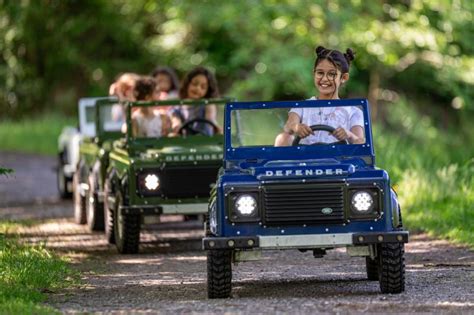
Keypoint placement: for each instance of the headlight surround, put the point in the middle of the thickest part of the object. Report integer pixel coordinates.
(365, 202)
(243, 205)
(148, 183)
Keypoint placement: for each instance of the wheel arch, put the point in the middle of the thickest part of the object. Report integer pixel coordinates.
(395, 207)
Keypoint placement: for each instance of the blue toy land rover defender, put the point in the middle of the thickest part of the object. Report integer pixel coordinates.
(307, 196)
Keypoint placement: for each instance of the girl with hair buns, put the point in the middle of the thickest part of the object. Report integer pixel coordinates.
(330, 72)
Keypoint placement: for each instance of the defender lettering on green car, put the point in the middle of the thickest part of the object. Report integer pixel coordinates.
(171, 174)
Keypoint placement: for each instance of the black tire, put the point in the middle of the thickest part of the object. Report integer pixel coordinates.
(108, 214)
(126, 229)
(219, 274)
(62, 181)
(94, 208)
(391, 267)
(79, 201)
(372, 269)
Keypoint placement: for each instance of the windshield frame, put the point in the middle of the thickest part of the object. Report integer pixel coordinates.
(270, 152)
(128, 108)
(100, 131)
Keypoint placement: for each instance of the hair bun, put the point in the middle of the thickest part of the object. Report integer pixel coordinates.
(320, 50)
(350, 55)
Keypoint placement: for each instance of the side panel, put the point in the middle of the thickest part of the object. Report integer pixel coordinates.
(89, 152)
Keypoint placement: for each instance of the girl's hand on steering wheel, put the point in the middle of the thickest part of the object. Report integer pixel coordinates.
(302, 130)
(340, 134)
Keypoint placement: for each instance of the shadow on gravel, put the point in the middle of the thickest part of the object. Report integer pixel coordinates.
(41, 210)
(304, 288)
(171, 246)
(95, 244)
(172, 287)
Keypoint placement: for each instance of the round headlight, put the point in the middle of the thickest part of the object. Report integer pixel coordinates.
(362, 201)
(152, 182)
(246, 205)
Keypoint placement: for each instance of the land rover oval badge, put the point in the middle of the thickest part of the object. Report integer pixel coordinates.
(326, 210)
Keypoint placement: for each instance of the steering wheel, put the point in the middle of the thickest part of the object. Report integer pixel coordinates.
(327, 128)
(189, 129)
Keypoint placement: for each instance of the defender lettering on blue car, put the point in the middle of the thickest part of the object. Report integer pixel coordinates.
(308, 196)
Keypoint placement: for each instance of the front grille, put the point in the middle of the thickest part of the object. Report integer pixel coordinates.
(298, 204)
(188, 182)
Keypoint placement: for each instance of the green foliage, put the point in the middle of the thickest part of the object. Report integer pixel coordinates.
(432, 170)
(54, 52)
(441, 201)
(34, 135)
(20, 306)
(57, 51)
(11, 227)
(5, 171)
(26, 272)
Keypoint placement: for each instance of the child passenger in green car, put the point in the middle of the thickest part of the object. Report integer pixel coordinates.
(145, 122)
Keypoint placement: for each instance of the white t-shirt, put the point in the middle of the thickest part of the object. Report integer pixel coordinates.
(345, 117)
(147, 126)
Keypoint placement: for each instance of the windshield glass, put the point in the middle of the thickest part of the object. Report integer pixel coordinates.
(112, 117)
(280, 126)
(90, 114)
(176, 121)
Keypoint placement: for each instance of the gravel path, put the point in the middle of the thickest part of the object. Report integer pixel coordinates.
(33, 182)
(169, 276)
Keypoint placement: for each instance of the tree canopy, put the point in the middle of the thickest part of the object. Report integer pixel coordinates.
(54, 52)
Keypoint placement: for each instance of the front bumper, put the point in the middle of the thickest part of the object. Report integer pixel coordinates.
(188, 208)
(304, 241)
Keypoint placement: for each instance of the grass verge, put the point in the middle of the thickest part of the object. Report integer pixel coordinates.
(441, 202)
(432, 171)
(33, 135)
(27, 272)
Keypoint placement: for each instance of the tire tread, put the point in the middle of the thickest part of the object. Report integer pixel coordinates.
(392, 267)
(219, 273)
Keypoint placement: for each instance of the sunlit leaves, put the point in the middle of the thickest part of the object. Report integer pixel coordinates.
(53, 46)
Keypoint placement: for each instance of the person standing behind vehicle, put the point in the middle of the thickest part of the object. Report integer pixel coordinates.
(145, 123)
(167, 83)
(197, 84)
(123, 88)
(331, 70)
(167, 86)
